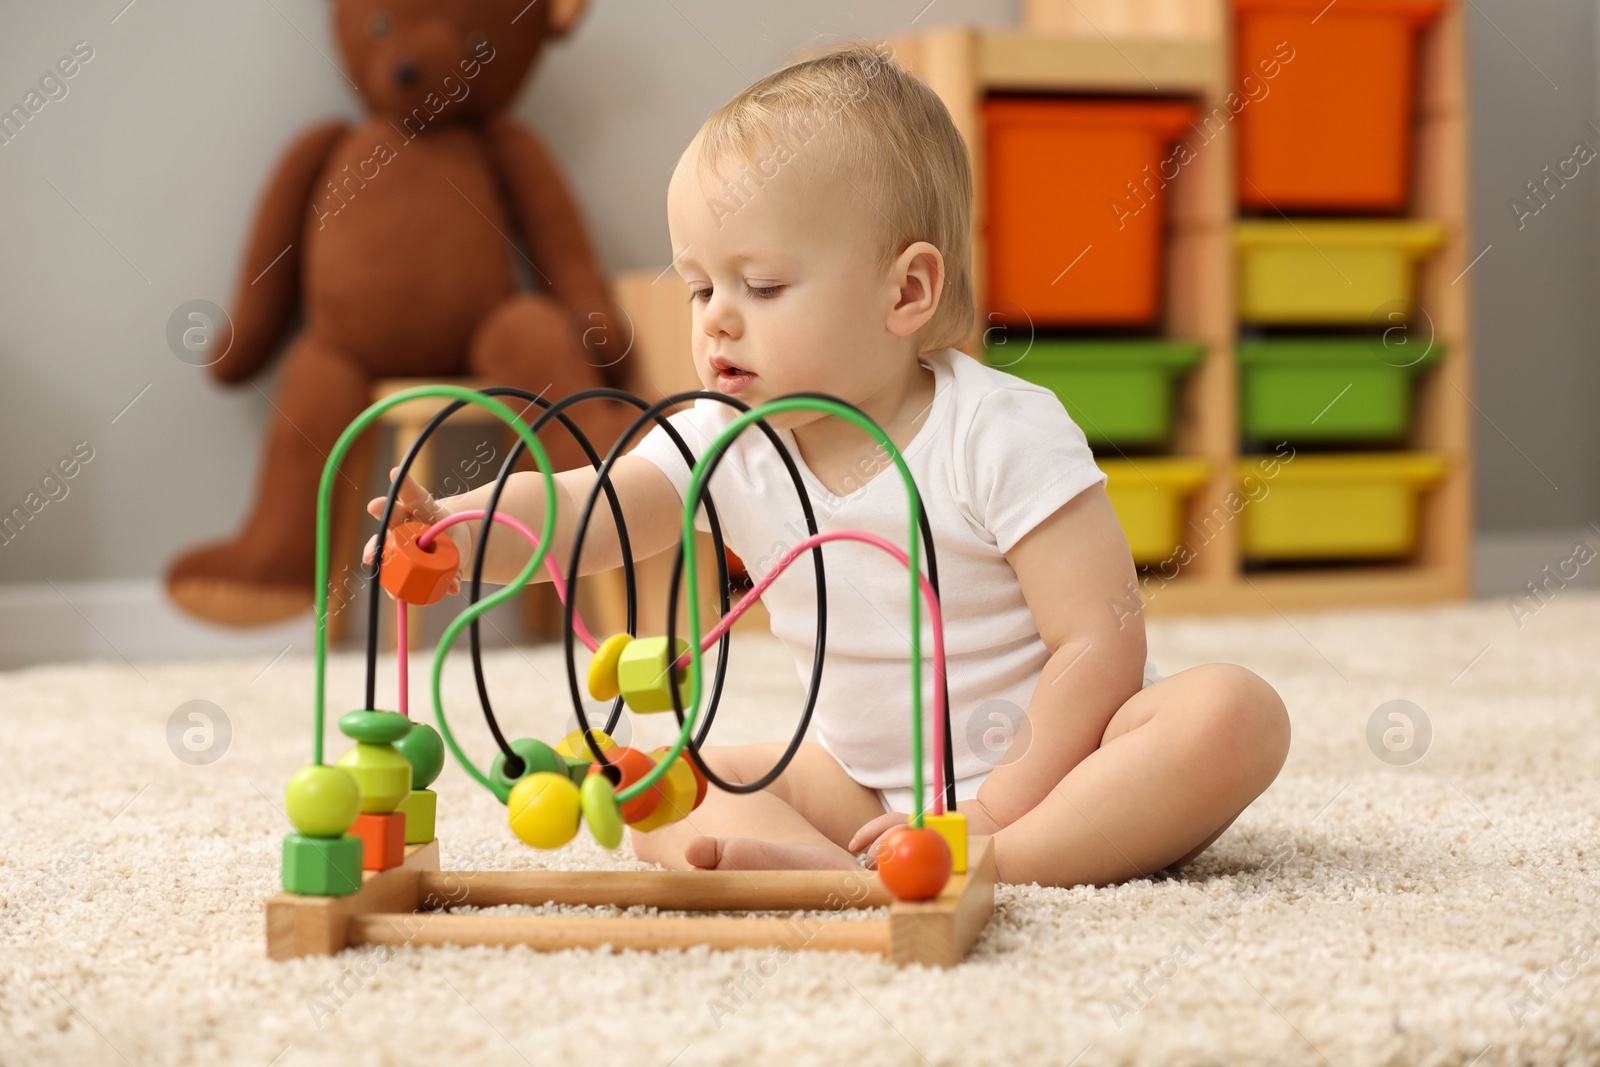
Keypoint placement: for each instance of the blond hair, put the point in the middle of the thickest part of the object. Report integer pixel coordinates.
(887, 129)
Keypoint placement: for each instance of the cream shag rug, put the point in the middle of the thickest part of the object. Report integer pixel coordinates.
(1443, 912)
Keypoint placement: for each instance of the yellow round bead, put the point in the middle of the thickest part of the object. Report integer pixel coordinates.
(678, 788)
(574, 747)
(603, 668)
(543, 809)
(601, 811)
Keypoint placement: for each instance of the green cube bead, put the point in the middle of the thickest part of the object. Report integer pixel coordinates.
(642, 674)
(419, 808)
(382, 775)
(577, 769)
(322, 866)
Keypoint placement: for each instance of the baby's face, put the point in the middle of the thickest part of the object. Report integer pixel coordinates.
(786, 284)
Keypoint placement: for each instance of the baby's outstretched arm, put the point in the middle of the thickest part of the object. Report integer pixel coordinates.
(650, 506)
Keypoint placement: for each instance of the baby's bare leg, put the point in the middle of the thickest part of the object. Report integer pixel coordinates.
(1176, 765)
(803, 820)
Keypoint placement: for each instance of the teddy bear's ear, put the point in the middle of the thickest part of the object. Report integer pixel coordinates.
(564, 15)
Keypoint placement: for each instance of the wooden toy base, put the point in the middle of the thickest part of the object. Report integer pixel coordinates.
(409, 905)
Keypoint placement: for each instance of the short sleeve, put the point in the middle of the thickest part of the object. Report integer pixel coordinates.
(1026, 458)
(698, 425)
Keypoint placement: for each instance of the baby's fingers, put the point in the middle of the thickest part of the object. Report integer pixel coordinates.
(873, 831)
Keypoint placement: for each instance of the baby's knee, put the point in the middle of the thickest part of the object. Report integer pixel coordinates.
(1244, 717)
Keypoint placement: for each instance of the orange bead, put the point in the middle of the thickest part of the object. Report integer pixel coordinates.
(383, 839)
(634, 765)
(415, 574)
(913, 864)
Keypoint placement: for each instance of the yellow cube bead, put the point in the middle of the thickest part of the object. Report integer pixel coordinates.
(419, 807)
(952, 826)
(678, 788)
(642, 674)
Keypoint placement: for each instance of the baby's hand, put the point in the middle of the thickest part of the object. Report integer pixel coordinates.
(873, 833)
(416, 504)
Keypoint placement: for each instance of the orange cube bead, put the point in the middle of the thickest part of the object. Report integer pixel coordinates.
(383, 839)
(415, 574)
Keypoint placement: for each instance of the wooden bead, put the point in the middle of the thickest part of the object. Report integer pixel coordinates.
(423, 748)
(578, 770)
(322, 801)
(420, 807)
(603, 668)
(634, 765)
(322, 866)
(952, 826)
(913, 864)
(642, 674)
(415, 574)
(573, 746)
(374, 727)
(382, 775)
(537, 757)
(678, 796)
(600, 810)
(544, 809)
(383, 840)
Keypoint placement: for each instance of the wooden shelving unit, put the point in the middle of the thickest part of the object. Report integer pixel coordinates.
(1181, 48)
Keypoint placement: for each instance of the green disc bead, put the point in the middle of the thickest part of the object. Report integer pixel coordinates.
(536, 757)
(374, 727)
(424, 748)
(600, 810)
(382, 774)
(322, 801)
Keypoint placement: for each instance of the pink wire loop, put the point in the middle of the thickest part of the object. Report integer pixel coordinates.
(934, 617)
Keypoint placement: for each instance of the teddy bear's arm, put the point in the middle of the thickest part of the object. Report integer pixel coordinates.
(549, 219)
(269, 283)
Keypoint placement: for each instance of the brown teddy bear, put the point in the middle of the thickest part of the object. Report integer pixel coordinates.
(396, 240)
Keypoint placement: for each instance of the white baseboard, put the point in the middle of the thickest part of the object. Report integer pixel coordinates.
(132, 619)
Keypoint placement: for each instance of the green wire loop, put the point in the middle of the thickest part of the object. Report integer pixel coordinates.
(690, 500)
(330, 471)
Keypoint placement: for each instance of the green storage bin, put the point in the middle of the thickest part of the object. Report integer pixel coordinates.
(1120, 392)
(1327, 388)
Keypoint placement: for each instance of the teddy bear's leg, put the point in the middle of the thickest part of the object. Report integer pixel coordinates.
(530, 342)
(266, 572)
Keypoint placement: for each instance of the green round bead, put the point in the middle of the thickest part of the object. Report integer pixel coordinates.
(322, 801)
(536, 756)
(381, 773)
(374, 727)
(425, 749)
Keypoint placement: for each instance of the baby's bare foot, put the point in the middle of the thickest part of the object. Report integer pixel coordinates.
(750, 854)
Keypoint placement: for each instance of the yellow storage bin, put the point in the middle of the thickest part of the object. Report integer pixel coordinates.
(1329, 270)
(1337, 506)
(1148, 495)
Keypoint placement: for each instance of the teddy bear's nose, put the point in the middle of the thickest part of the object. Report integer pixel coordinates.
(406, 73)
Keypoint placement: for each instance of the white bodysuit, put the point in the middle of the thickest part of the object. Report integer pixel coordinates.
(995, 457)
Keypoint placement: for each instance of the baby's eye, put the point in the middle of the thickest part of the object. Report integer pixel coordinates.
(700, 294)
(763, 292)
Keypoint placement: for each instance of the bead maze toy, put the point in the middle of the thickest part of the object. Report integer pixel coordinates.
(363, 864)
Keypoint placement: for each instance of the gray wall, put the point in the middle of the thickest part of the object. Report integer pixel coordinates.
(131, 195)
(1538, 289)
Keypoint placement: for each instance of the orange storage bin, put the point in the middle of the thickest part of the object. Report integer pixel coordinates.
(1076, 208)
(1333, 130)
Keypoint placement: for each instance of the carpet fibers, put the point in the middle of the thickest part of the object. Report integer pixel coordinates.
(1367, 910)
